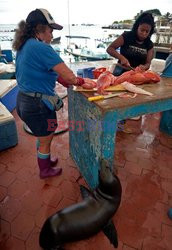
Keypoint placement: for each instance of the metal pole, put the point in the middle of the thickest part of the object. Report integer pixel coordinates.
(68, 22)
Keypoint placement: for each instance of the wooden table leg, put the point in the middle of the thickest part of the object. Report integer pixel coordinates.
(91, 136)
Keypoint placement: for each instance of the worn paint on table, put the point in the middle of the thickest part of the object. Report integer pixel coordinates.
(87, 147)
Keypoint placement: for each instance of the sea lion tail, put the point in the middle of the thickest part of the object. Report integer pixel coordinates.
(111, 232)
(85, 192)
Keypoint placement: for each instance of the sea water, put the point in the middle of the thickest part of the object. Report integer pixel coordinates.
(95, 32)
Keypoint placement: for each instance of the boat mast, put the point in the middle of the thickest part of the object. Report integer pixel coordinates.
(68, 40)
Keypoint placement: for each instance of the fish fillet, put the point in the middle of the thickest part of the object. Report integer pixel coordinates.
(132, 88)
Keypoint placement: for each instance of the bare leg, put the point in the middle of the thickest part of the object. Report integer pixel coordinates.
(45, 144)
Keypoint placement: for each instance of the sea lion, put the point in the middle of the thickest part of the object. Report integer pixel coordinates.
(86, 218)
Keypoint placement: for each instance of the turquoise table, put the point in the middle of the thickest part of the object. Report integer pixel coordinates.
(93, 125)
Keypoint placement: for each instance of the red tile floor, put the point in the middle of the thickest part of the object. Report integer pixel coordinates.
(143, 166)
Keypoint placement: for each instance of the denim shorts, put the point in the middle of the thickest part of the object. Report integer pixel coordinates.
(37, 116)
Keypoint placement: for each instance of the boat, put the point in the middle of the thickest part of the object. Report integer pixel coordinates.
(73, 40)
(7, 66)
(118, 26)
(88, 55)
(164, 34)
(5, 38)
(56, 40)
(163, 41)
(80, 37)
(84, 52)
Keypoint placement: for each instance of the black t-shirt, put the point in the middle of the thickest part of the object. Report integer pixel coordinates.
(135, 53)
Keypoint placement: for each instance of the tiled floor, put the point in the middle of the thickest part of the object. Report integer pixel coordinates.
(144, 168)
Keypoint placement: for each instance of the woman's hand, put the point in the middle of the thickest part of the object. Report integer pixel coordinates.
(61, 81)
(144, 67)
(80, 81)
(89, 83)
(124, 61)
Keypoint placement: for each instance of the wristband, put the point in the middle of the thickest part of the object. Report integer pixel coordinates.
(80, 81)
(61, 81)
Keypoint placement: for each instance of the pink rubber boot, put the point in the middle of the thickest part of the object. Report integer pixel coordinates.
(46, 169)
(53, 161)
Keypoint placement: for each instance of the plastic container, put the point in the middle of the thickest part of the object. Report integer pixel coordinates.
(86, 72)
(8, 130)
(97, 72)
(8, 93)
(7, 75)
(7, 54)
(80, 72)
(157, 65)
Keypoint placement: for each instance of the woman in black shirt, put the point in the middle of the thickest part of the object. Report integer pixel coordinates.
(136, 48)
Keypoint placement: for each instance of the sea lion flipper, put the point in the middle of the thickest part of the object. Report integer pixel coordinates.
(111, 232)
(85, 192)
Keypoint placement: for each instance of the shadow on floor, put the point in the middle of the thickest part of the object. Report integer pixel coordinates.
(143, 166)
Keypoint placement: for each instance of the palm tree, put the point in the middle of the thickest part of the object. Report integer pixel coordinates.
(154, 12)
(166, 21)
(166, 18)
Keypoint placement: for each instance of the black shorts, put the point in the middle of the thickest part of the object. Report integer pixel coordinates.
(37, 116)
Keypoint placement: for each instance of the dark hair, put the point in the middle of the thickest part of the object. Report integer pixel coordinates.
(147, 18)
(24, 32)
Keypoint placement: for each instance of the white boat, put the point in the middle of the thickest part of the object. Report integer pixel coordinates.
(85, 52)
(89, 55)
(5, 38)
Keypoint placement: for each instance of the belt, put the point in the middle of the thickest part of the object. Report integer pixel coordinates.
(55, 100)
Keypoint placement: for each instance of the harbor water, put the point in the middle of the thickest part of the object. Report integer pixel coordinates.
(96, 34)
(92, 31)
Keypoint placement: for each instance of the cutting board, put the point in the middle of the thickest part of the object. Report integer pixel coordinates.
(118, 87)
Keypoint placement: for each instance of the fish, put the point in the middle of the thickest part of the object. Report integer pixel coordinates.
(132, 88)
(104, 81)
(138, 76)
(107, 79)
(89, 83)
(126, 76)
(151, 76)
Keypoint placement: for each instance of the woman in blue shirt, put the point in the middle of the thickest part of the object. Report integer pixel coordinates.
(38, 67)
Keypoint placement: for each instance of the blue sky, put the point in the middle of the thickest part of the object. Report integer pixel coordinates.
(80, 11)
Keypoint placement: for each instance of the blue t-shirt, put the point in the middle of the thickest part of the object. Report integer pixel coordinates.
(34, 63)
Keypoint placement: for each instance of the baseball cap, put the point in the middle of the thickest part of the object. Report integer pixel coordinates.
(42, 16)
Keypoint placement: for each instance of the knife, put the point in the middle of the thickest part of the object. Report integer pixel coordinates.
(102, 97)
(125, 67)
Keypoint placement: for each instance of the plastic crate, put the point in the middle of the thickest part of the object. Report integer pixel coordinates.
(7, 55)
(8, 130)
(8, 93)
(86, 72)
